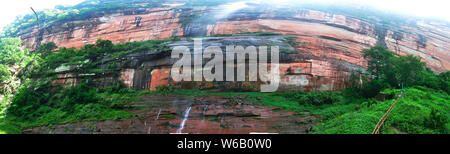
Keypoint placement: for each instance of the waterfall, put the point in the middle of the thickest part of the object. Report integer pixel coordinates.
(186, 115)
(157, 116)
(150, 127)
(204, 110)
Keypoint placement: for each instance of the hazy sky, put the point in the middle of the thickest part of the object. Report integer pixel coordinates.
(423, 8)
(9, 9)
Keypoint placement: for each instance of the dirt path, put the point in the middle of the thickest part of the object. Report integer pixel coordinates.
(157, 114)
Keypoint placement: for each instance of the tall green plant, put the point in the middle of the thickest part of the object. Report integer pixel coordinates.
(378, 59)
(11, 52)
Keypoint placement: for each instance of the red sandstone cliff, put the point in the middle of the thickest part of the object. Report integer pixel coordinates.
(336, 41)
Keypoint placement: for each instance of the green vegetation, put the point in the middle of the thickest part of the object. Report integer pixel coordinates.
(354, 110)
(40, 103)
(11, 52)
(84, 10)
(392, 71)
(5, 74)
(292, 40)
(317, 98)
(12, 59)
(222, 35)
(424, 111)
(90, 9)
(87, 59)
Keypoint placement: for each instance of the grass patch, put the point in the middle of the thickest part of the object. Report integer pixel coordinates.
(422, 112)
(276, 127)
(34, 106)
(214, 120)
(282, 101)
(168, 117)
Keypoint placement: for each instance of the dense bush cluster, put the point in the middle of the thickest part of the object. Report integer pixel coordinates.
(12, 59)
(314, 98)
(354, 110)
(389, 71)
(320, 98)
(423, 111)
(86, 59)
(40, 104)
(5, 74)
(11, 52)
(425, 108)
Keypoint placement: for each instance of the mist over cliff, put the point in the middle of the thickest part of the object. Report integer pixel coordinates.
(330, 36)
(108, 66)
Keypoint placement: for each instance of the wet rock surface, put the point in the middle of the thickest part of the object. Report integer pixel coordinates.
(329, 45)
(157, 114)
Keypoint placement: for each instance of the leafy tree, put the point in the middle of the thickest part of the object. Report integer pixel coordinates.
(407, 69)
(11, 52)
(104, 45)
(47, 48)
(395, 70)
(373, 88)
(437, 119)
(378, 60)
(445, 83)
(445, 76)
(5, 74)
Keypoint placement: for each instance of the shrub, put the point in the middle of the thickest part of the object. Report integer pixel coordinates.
(88, 111)
(424, 110)
(320, 98)
(165, 89)
(438, 119)
(5, 74)
(37, 105)
(11, 52)
(373, 88)
(47, 48)
(81, 94)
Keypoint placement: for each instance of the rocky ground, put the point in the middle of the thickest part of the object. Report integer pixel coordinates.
(165, 114)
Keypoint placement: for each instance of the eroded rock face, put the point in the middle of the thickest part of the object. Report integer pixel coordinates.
(298, 69)
(207, 115)
(123, 26)
(330, 45)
